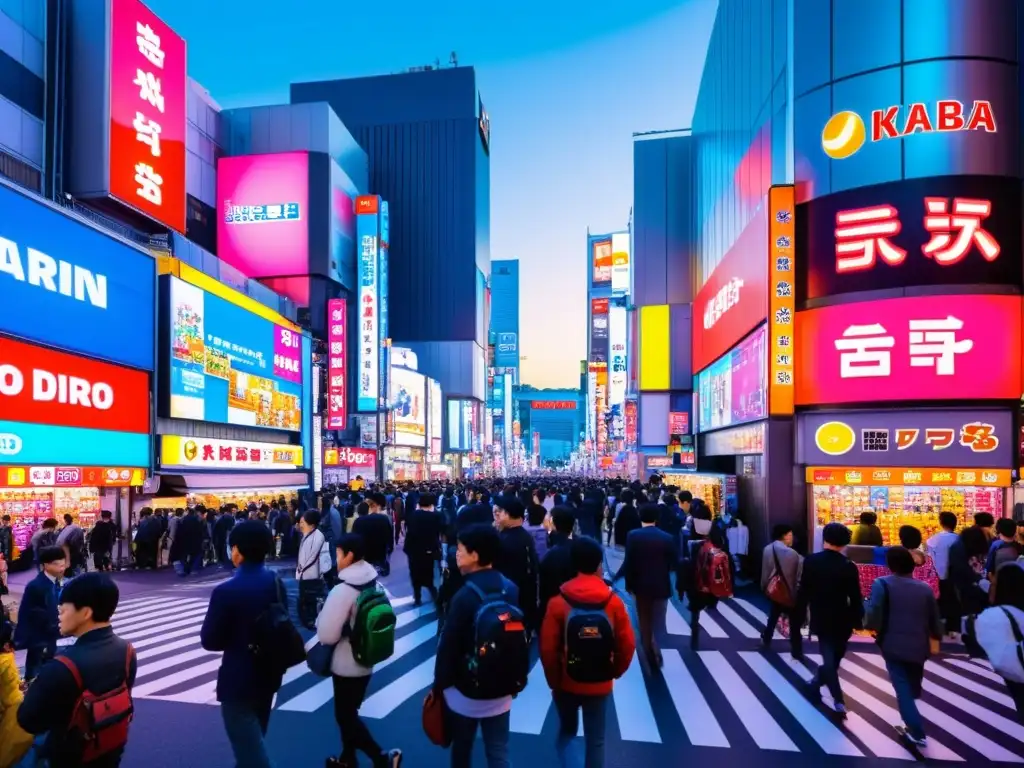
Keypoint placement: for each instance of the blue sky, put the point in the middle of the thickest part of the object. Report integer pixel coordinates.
(566, 85)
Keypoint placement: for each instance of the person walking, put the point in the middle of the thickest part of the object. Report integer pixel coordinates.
(556, 567)
(377, 532)
(349, 678)
(704, 574)
(780, 576)
(1000, 633)
(314, 561)
(517, 560)
(72, 539)
(586, 644)
(101, 541)
(234, 626)
(830, 589)
(37, 629)
(651, 557)
(905, 614)
(423, 529)
(938, 547)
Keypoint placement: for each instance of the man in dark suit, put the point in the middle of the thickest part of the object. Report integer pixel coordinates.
(556, 566)
(651, 556)
(830, 588)
(246, 684)
(476, 512)
(37, 630)
(423, 527)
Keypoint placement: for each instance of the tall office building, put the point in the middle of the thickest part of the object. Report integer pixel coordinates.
(505, 314)
(23, 91)
(427, 136)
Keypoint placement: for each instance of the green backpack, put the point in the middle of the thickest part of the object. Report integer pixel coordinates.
(373, 632)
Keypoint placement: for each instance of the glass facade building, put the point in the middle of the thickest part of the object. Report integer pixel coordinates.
(505, 313)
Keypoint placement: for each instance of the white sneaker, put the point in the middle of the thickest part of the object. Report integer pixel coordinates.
(913, 741)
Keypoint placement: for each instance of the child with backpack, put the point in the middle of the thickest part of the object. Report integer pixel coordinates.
(586, 643)
(358, 622)
(483, 656)
(705, 573)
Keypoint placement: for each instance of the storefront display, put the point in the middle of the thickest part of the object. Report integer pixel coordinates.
(717, 491)
(241, 497)
(905, 496)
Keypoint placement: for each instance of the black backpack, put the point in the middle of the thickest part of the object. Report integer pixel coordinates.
(499, 662)
(589, 642)
(275, 641)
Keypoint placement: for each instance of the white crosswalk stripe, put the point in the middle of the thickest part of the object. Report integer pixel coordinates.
(729, 695)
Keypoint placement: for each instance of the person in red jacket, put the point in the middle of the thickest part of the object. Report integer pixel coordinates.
(586, 643)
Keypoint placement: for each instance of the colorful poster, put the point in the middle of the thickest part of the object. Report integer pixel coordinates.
(370, 357)
(207, 453)
(781, 298)
(733, 390)
(230, 366)
(601, 260)
(337, 364)
(409, 407)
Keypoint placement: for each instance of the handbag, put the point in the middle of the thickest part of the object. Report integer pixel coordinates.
(435, 721)
(318, 659)
(778, 590)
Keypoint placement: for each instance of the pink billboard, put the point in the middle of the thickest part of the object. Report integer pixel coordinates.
(263, 214)
(337, 340)
(910, 349)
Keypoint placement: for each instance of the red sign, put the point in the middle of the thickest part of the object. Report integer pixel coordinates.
(337, 371)
(910, 349)
(632, 429)
(599, 306)
(148, 81)
(42, 386)
(553, 405)
(70, 477)
(356, 458)
(367, 204)
(734, 300)
(949, 116)
(678, 423)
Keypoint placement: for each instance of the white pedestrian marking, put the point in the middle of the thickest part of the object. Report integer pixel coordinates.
(950, 725)
(633, 706)
(168, 608)
(710, 626)
(172, 661)
(737, 621)
(203, 694)
(177, 678)
(829, 738)
(982, 663)
(530, 708)
(877, 743)
(970, 685)
(935, 749)
(194, 622)
(408, 617)
(694, 712)
(154, 636)
(161, 650)
(975, 669)
(160, 622)
(763, 729)
(675, 622)
(392, 696)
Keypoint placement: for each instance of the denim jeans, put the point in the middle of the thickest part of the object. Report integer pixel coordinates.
(495, 733)
(906, 679)
(595, 709)
(833, 649)
(246, 724)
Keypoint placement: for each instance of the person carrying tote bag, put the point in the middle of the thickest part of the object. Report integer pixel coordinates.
(781, 566)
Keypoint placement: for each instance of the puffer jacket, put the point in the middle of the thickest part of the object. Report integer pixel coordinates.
(14, 742)
(339, 610)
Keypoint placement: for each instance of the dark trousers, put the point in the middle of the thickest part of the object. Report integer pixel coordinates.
(421, 573)
(650, 619)
(145, 554)
(246, 725)
(310, 593)
(949, 605)
(495, 737)
(36, 656)
(1017, 693)
(906, 678)
(796, 644)
(349, 693)
(568, 706)
(833, 649)
(101, 560)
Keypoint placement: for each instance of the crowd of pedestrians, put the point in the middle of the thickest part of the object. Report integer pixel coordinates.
(523, 574)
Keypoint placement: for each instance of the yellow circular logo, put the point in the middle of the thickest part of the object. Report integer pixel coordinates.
(835, 438)
(191, 450)
(843, 135)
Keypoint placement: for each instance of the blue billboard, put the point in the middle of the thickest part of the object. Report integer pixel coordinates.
(382, 287)
(230, 366)
(67, 285)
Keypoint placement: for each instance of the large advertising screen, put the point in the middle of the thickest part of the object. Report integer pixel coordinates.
(734, 300)
(263, 214)
(148, 82)
(909, 438)
(64, 284)
(734, 389)
(181, 452)
(230, 366)
(436, 419)
(914, 349)
(948, 230)
(337, 364)
(617, 373)
(460, 425)
(620, 277)
(369, 357)
(58, 408)
(409, 407)
(599, 330)
(601, 260)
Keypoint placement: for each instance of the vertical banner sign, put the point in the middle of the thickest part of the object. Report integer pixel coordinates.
(148, 83)
(382, 293)
(599, 330)
(536, 450)
(632, 430)
(781, 299)
(620, 264)
(617, 328)
(369, 358)
(601, 258)
(337, 407)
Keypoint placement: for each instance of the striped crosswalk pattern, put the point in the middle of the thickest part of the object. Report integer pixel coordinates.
(730, 694)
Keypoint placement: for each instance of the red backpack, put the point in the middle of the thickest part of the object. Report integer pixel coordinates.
(101, 720)
(714, 575)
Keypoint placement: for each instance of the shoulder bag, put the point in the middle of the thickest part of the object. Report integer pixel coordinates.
(779, 590)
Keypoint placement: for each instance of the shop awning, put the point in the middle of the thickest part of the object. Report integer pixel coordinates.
(201, 483)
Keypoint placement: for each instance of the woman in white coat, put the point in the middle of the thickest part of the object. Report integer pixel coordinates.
(999, 630)
(350, 678)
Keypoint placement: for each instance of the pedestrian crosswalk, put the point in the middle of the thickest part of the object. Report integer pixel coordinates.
(730, 694)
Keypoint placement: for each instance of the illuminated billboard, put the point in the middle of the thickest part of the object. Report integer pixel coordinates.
(337, 364)
(409, 407)
(263, 214)
(368, 320)
(230, 366)
(148, 81)
(601, 260)
(460, 425)
(620, 277)
(435, 423)
(599, 330)
(617, 373)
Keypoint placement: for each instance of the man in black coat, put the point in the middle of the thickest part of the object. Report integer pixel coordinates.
(37, 631)
(188, 543)
(651, 557)
(830, 588)
(423, 528)
(517, 560)
(377, 532)
(476, 512)
(556, 566)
